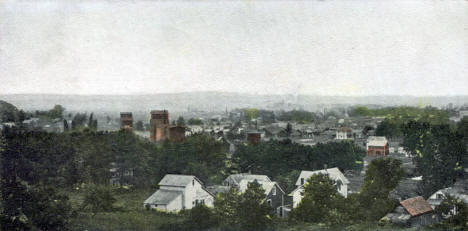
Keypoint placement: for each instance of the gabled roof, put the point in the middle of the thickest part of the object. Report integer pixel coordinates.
(163, 197)
(215, 189)
(246, 176)
(416, 206)
(334, 173)
(178, 180)
(376, 141)
(266, 185)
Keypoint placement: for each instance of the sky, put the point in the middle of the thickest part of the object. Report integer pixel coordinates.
(339, 47)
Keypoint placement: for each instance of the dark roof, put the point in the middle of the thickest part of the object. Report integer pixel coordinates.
(416, 206)
(163, 197)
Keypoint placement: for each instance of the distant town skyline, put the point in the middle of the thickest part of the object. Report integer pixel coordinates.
(354, 48)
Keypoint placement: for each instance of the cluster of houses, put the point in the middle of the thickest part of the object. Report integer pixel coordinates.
(178, 192)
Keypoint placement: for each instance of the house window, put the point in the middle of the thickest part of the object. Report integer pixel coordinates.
(338, 184)
(196, 202)
(439, 196)
(269, 202)
(202, 202)
(273, 191)
(193, 182)
(302, 181)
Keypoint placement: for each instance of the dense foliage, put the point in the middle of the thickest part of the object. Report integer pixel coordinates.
(282, 159)
(322, 203)
(321, 200)
(298, 116)
(438, 151)
(455, 213)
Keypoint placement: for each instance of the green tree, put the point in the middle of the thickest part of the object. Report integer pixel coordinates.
(200, 217)
(226, 208)
(56, 112)
(438, 151)
(382, 176)
(455, 213)
(289, 129)
(181, 121)
(195, 121)
(388, 128)
(320, 201)
(99, 199)
(139, 126)
(251, 113)
(253, 212)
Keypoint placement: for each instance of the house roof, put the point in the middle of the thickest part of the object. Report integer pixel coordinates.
(215, 189)
(178, 180)
(246, 176)
(345, 129)
(266, 185)
(416, 206)
(333, 173)
(377, 141)
(163, 197)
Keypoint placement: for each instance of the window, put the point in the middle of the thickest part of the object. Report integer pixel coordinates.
(196, 202)
(193, 182)
(269, 202)
(202, 202)
(302, 181)
(440, 196)
(273, 191)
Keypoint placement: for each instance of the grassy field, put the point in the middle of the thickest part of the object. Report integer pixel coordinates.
(130, 214)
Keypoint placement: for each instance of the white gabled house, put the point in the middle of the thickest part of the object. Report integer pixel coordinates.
(334, 174)
(177, 192)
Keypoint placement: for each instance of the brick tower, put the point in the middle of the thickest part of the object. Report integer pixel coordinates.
(126, 120)
(159, 124)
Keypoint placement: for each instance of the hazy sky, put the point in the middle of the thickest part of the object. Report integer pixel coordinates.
(267, 47)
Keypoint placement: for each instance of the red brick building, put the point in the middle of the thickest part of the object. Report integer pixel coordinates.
(254, 137)
(177, 133)
(377, 146)
(159, 125)
(126, 120)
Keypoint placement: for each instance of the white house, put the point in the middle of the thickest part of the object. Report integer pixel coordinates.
(459, 190)
(234, 179)
(343, 133)
(334, 174)
(177, 192)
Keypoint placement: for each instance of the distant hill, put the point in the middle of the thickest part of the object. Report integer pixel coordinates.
(214, 101)
(8, 112)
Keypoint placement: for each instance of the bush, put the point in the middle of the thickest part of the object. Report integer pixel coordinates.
(99, 199)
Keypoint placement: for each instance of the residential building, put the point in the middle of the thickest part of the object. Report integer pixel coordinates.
(177, 192)
(344, 133)
(377, 146)
(274, 194)
(414, 212)
(254, 137)
(334, 173)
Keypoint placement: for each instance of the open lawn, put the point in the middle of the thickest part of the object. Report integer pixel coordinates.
(129, 215)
